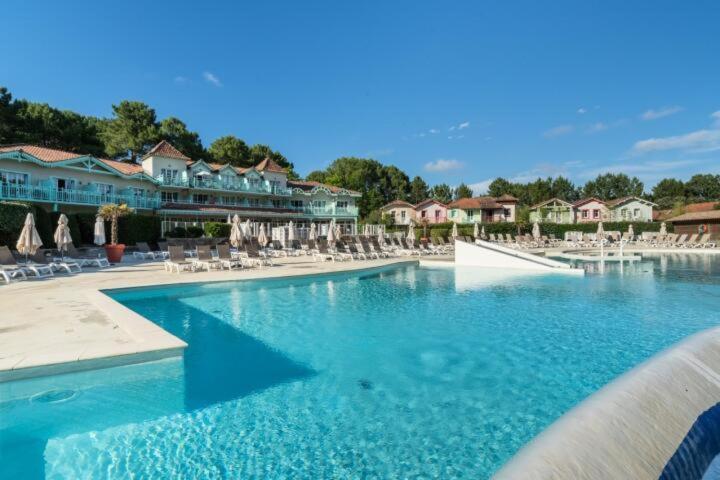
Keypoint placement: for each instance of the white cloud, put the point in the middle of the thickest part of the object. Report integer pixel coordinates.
(581, 110)
(716, 117)
(463, 125)
(661, 112)
(700, 140)
(597, 127)
(434, 131)
(451, 128)
(180, 79)
(212, 79)
(558, 131)
(641, 168)
(443, 165)
(481, 188)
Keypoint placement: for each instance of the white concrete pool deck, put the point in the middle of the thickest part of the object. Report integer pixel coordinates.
(65, 323)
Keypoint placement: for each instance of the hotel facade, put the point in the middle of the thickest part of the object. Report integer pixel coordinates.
(182, 191)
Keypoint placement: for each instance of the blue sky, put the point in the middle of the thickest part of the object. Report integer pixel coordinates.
(453, 91)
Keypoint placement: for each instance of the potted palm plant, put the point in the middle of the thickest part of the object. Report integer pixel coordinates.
(112, 212)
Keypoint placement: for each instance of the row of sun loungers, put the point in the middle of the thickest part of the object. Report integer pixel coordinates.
(44, 264)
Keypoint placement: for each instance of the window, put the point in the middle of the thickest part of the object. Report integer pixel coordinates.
(105, 188)
(14, 178)
(169, 175)
(423, 213)
(319, 203)
(254, 202)
(168, 197)
(437, 214)
(470, 214)
(636, 213)
(452, 213)
(506, 212)
(341, 205)
(137, 192)
(402, 214)
(64, 184)
(199, 198)
(296, 203)
(584, 213)
(596, 213)
(277, 203)
(623, 212)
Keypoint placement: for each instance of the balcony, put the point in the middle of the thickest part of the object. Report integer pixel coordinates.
(32, 193)
(224, 186)
(327, 211)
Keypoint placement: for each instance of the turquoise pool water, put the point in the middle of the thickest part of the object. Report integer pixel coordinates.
(403, 373)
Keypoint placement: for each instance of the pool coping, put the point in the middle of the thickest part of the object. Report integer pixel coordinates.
(150, 342)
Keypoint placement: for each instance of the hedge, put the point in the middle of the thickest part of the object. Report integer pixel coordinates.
(557, 229)
(131, 229)
(217, 229)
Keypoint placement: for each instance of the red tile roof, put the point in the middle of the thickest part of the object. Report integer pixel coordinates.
(697, 216)
(700, 207)
(270, 165)
(429, 201)
(583, 201)
(398, 204)
(164, 149)
(123, 167)
(48, 155)
(488, 203)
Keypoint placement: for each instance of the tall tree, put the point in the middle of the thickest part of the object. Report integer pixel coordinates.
(230, 149)
(442, 192)
(703, 187)
(499, 187)
(132, 131)
(8, 117)
(258, 153)
(316, 176)
(394, 183)
(613, 185)
(176, 132)
(564, 189)
(463, 191)
(419, 190)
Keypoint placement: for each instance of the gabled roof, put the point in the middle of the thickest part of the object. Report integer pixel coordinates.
(269, 165)
(488, 203)
(429, 201)
(700, 207)
(558, 200)
(697, 216)
(583, 201)
(398, 204)
(48, 155)
(506, 198)
(619, 201)
(308, 185)
(164, 149)
(52, 155)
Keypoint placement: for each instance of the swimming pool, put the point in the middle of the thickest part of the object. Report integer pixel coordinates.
(402, 372)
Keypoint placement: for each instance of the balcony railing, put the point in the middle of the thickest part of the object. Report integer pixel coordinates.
(330, 211)
(37, 193)
(213, 184)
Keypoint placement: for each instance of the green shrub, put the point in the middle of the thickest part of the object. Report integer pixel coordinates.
(12, 218)
(138, 228)
(445, 229)
(195, 232)
(177, 232)
(217, 229)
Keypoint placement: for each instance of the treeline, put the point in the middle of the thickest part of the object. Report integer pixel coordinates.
(668, 193)
(132, 130)
(381, 184)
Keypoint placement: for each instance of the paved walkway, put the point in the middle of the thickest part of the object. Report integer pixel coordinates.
(64, 323)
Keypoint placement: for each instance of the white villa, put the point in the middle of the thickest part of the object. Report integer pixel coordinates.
(169, 184)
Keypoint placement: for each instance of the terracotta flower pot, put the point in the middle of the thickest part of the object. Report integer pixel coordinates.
(115, 252)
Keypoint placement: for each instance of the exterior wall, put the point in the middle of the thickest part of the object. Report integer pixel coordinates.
(280, 178)
(433, 212)
(154, 165)
(513, 210)
(83, 179)
(471, 215)
(401, 215)
(708, 226)
(553, 214)
(591, 208)
(635, 211)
